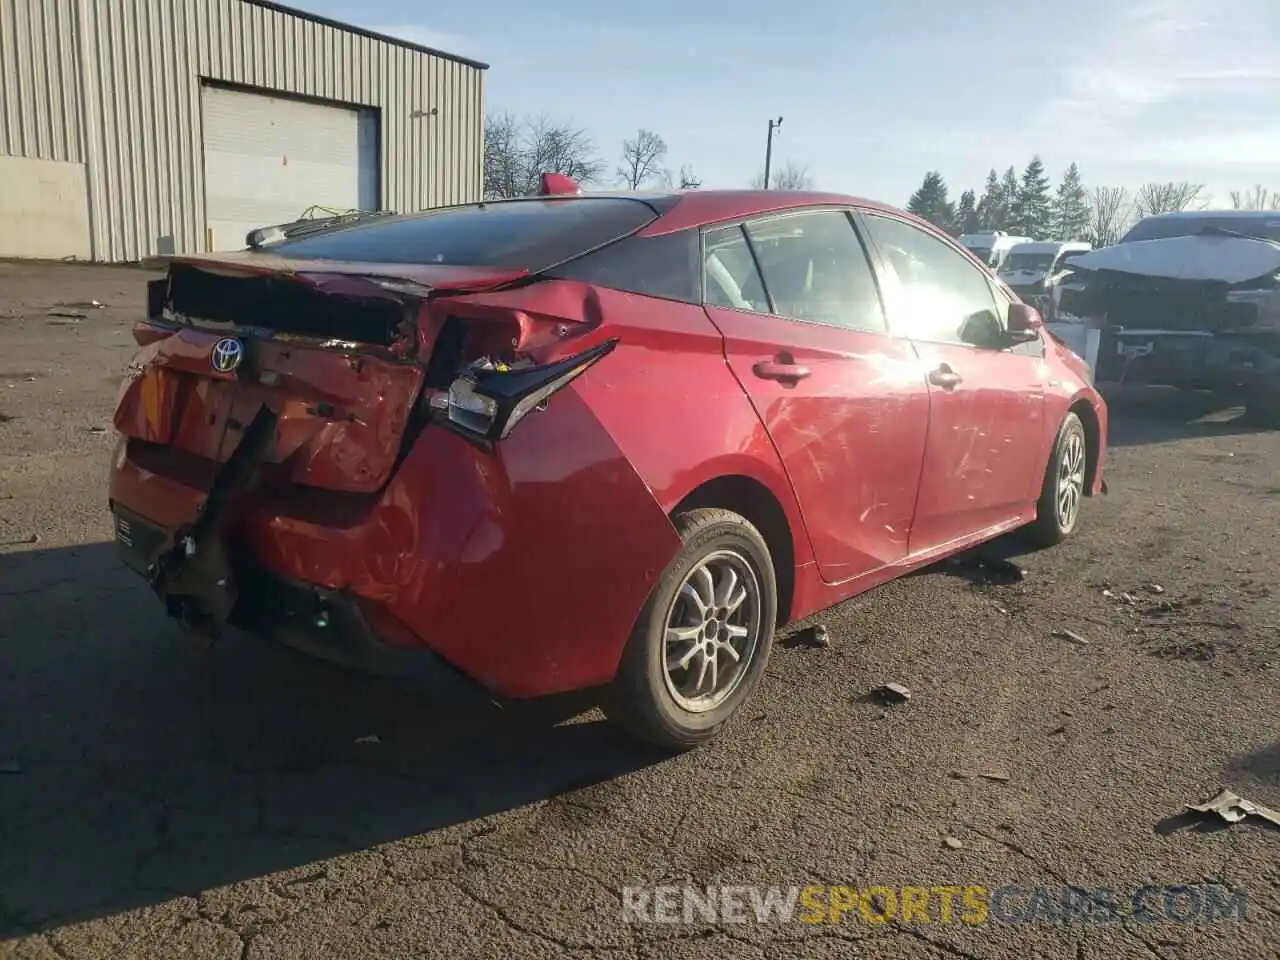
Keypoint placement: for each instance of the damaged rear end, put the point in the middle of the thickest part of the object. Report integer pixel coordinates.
(312, 436)
(258, 376)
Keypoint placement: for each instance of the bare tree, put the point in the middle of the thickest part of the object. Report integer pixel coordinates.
(790, 176)
(1170, 197)
(688, 179)
(559, 148)
(642, 158)
(504, 167)
(517, 152)
(1110, 212)
(1258, 198)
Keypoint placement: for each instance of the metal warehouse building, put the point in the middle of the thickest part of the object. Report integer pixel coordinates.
(130, 128)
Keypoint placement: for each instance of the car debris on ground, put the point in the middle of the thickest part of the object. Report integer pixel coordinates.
(892, 693)
(1071, 635)
(989, 569)
(1233, 808)
(815, 636)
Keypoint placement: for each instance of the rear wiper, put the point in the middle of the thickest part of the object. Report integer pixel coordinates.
(307, 226)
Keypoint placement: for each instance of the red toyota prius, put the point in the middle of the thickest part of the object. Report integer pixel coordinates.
(586, 441)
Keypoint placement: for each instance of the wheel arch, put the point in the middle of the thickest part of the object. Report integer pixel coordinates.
(1083, 409)
(753, 500)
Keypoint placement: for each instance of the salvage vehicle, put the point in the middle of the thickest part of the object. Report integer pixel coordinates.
(991, 248)
(580, 441)
(1034, 271)
(1189, 300)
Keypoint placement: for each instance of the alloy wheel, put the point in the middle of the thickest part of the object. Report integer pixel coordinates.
(713, 630)
(1070, 480)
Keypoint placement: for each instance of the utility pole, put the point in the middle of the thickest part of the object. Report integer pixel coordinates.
(768, 149)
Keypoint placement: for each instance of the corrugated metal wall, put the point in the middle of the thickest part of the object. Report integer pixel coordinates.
(40, 104)
(136, 66)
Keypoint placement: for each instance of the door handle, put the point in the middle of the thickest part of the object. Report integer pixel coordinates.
(945, 377)
(784, 372)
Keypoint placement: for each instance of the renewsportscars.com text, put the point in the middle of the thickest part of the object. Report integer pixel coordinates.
(971, 904)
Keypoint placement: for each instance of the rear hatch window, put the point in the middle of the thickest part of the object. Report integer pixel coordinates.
(532, 235)
(325, 331)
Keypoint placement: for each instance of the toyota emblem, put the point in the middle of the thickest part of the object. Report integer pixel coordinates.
(227, 354)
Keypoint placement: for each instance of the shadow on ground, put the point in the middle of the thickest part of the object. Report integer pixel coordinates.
(137, 768)
(1261, 765)
(1141, 415)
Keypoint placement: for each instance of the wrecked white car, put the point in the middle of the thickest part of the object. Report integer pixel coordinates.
(1188, 300)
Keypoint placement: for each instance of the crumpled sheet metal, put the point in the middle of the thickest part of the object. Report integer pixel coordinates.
(1233, 808)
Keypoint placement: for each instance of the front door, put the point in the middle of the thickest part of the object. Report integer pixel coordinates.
(843, 401)
(982, 463)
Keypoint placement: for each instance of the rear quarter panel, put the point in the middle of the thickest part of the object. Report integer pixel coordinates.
(672, 405)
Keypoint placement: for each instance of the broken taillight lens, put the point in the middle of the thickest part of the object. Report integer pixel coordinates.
(487, 401)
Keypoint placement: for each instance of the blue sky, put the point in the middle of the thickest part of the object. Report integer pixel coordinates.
(876, 93)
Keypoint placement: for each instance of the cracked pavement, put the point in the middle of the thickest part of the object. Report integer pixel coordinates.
(159, 801)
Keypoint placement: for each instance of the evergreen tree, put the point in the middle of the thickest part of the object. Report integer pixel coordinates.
(930, 202)
(992, 206)
(1071, 208)
(967, 214)
(1009, 192)
(1032, 205)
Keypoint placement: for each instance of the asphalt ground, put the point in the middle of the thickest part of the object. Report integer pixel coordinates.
(160, 801)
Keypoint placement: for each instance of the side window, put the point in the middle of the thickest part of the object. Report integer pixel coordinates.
(730, 276)
(939, 295)
(815, 269)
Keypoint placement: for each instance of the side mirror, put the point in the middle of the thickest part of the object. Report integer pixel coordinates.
(1024, 322)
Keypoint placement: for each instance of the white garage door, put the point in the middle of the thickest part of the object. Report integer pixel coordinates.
(267, 159)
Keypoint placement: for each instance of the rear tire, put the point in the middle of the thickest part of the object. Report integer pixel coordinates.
(701, 643)
(1062, 493)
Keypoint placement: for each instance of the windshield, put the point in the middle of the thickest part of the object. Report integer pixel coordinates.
(1037, 262)
(1162, 228)
(982, 253)
(532, 235)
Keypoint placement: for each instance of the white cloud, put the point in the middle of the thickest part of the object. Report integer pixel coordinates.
(1150, 58)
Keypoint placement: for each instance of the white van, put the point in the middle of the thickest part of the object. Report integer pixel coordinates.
(991, 248)
(1034, 270)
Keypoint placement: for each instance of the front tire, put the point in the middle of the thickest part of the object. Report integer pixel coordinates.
(701, 643)
(1062, 493)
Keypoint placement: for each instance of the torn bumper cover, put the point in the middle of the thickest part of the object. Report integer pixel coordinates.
(207, 586)
(190, 570)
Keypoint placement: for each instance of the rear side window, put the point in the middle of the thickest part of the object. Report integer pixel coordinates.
(730, 274)
(815, 269)
(664, 266)
(532, 235)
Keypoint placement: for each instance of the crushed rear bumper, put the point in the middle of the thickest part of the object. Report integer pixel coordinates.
(325, 624)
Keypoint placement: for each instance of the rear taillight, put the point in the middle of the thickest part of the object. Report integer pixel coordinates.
(489, 399)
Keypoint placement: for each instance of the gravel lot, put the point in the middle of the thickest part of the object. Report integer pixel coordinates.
(158, 801)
